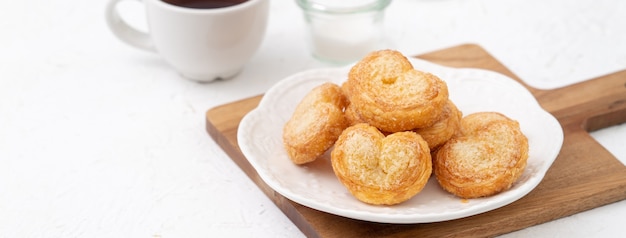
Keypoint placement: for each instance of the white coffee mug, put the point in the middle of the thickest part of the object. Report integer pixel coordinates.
(201, 44)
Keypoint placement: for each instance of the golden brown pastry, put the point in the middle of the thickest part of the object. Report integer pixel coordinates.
(378, 169)
(315, 124)
(444, 128)
(352, 115)
(485, 158)
(392, 96)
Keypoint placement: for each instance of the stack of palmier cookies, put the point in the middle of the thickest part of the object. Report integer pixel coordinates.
(390, 126)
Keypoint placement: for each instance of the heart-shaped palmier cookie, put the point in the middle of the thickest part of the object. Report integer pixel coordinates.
(485, 158)
(388, 93)
(381, 170)
(316, 123)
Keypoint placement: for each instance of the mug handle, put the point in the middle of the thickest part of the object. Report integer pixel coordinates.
(124, 31)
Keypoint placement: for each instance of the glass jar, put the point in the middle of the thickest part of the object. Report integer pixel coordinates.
(343, 31)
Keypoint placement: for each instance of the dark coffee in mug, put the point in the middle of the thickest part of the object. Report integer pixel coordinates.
(204, 4)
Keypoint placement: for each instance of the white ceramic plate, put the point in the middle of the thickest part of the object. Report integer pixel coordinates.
(316, 186)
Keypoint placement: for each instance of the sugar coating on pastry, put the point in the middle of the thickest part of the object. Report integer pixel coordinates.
(315, 124)
(381, 170)
(485, 158)
(391, 95)
(448, 125)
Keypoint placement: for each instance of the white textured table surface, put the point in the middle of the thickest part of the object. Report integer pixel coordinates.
(98, 139)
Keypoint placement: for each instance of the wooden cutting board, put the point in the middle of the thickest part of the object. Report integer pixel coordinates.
(584, 175)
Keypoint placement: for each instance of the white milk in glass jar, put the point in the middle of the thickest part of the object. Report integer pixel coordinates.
(344, 31)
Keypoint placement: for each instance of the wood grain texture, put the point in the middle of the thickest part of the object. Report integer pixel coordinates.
(584, 175)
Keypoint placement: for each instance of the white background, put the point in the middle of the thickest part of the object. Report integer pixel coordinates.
(98, 139)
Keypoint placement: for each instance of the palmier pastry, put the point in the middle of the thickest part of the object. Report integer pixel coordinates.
(444, 128)
(315, 124)
(392, 96)
(485, 158)
(352, 115)
(381, 170)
